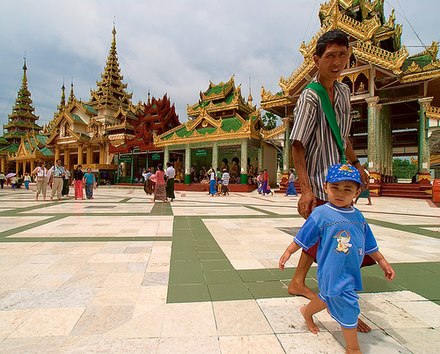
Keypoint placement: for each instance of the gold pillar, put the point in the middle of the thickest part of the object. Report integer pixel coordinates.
(80, 154)
(32, 165)
(67, 157)
(89, 154)
(24, 167)
(101, 154)
(57, 152)
(3, 165)
(16, 166)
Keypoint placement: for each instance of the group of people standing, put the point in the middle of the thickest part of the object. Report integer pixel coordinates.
(58, 178)
(160, 183)
(218, 182)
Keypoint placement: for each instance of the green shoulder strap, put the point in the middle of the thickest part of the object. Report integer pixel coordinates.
(330, 115)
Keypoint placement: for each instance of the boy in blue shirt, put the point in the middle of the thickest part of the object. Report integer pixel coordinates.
(344, 238)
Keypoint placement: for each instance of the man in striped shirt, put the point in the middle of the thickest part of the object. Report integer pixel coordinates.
(314, 148)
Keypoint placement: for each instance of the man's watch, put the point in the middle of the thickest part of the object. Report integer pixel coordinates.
(355, 162)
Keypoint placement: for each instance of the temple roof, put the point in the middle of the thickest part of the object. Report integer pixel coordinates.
(22, 115)
(111, 92)
(221, 97)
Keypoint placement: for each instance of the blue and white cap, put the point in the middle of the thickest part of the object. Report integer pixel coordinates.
(340, 172)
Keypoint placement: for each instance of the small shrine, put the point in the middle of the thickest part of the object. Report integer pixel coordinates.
(137, 152)
(21, 123)
(224, 131)
(395, 97)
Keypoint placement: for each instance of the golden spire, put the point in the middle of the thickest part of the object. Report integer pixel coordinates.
(63, 98)
(72, 95)
(148, 100)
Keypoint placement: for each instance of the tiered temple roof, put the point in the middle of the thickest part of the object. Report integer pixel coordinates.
(22, 119)
(221, 113)
(111, 93)
(373, 39)
(154, 117)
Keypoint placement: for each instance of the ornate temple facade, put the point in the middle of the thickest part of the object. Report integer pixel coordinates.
(137, 151)
(224, 131)
(82, 132)
(21, 126)
(395, 97)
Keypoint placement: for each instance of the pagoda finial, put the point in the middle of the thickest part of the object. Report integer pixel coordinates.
(24, 70)
(148, 100)
(250, 99)
(63, 97)
(72, 95)
(114, 32)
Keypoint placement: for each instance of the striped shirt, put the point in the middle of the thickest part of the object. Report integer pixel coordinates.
(311, 128)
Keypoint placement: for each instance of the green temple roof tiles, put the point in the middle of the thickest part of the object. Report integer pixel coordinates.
(90, 108)
(46, 151)
(3, 141)
(77, 118)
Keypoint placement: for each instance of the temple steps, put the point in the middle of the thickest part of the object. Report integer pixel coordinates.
(405, 190)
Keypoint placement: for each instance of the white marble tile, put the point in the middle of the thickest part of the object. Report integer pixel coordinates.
(306, 343)
(191, 345)
(48, 322)
(418, 340)
(238, 318)
(261, 344)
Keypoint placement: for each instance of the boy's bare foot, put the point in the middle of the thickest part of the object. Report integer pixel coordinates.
(311, 326)
(299, 289)
(363, 327)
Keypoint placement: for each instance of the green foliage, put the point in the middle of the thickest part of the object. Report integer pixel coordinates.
(269, 120)
(403, 168)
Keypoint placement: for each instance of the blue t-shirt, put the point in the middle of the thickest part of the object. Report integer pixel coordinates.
(90, 178)
(344, 238)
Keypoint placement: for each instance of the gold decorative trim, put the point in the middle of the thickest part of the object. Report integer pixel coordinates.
(381, 57)
(269, 134)
(433, 112)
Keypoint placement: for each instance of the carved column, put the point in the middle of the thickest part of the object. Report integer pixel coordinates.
(57, 153)
(101, 154)
(373, 138)
(423, 151)
(187, 165)
(215, 155)
(3, 165)
(244, 158)
(287, 148)
(67, 157)
(260, 158)
(80, 154)
(24, 167)
(166, 156)
(89, 158)
(16, 167)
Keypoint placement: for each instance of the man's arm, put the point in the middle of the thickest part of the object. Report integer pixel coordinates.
(307, 201)
(351, 156)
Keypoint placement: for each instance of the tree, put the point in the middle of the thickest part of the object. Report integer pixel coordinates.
(269, 120)
(404, 168)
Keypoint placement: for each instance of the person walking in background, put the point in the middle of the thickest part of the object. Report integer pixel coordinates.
(2, 179)
(212, 182)
(170, 173)
(26, 180)
(66, 182)
(265, 189)
(159, 189)
(89, 182)
(78, 176)
(41, 174)
(55, 177)
(225, 182)
(291, 184)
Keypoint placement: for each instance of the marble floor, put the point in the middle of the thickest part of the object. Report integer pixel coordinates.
(121, 274)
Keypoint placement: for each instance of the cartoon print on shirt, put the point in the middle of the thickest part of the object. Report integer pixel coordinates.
(343, 239)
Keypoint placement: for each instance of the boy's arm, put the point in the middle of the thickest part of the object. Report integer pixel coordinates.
(293, 247)
(383, 263)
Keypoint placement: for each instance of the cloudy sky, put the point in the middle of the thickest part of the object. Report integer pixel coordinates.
(170, 46)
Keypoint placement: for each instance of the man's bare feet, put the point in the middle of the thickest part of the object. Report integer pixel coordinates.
(363, 327)
(299, 289)
(311, 326)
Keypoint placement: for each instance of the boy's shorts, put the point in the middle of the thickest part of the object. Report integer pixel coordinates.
(344, 308)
